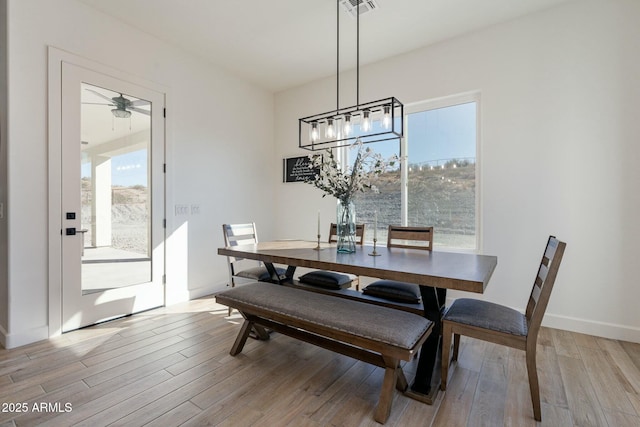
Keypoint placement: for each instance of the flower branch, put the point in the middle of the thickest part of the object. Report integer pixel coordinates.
(344, 183)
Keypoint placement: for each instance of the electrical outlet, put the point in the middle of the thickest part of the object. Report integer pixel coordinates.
(195, 209)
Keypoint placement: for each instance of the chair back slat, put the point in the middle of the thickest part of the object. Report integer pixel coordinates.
(239, 234)
(543, 284)
(410, 237)
(537, 285)
(535, 295)
(333, 233)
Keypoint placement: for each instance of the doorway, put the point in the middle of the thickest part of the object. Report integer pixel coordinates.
(112, 197)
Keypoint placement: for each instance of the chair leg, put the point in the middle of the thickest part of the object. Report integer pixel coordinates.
(446, 348)
(533, 382)
(456, 346)
(233, 285)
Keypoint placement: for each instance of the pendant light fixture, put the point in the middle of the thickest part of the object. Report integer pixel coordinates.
(370, 122)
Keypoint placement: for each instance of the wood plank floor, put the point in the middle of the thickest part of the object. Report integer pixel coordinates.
(171, 367)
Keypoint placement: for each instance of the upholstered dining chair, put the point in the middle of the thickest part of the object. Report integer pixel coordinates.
(402, 237)
(503, 325)
(331, 279)
(239, 268)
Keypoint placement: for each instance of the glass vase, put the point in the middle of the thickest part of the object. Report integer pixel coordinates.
(346, 222)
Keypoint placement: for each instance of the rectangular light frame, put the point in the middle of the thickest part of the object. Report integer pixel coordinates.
(376, 108)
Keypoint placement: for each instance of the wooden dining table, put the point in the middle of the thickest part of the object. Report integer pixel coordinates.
(435, 272)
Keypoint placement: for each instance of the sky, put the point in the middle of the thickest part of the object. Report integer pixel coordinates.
(436, 135)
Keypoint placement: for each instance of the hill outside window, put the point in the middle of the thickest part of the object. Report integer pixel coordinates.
(436, 182)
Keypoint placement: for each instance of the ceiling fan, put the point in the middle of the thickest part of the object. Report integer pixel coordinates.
(124, 106)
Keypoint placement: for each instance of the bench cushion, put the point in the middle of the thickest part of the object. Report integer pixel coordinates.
(394, 291)
(258, 273)
(327, 279)
(394, 327)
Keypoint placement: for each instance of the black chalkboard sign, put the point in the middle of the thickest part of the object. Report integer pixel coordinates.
(296, 169)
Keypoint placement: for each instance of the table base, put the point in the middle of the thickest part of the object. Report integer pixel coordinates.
(428, 397)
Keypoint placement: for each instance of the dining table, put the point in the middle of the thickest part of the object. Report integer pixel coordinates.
(435, 271)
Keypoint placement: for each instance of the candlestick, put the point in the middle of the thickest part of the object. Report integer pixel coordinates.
(317, 248)
(375, 224)
(375, 252)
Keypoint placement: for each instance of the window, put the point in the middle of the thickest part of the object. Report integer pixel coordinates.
(436, 184)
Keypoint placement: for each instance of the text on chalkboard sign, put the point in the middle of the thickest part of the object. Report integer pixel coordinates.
(297, 169)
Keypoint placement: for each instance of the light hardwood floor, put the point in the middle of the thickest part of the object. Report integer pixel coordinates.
(172, 366)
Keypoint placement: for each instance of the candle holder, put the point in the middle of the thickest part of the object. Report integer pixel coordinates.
(317, 248)
(374, 253)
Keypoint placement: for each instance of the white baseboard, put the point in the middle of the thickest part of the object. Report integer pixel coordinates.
(592, 327)
(206, 290)
(23, 337)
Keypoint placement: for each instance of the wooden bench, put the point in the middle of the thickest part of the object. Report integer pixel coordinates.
(374, 334)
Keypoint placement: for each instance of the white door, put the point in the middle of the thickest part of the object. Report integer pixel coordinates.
(112, 197)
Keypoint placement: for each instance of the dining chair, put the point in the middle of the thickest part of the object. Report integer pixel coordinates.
(333, 233)
(331, 279)
(498, 324)
(408, 238)
(240, 268)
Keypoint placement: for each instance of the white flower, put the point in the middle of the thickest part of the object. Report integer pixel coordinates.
(343, 184)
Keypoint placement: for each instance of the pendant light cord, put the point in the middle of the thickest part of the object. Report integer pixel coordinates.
(338, 55)
(358, 54)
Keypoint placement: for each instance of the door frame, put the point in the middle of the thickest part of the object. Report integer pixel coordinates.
(55, 58)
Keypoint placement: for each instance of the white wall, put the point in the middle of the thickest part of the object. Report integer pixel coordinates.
(560, 152)
(215, 160)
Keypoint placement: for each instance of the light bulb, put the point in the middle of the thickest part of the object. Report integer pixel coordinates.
(314, 131)
(366, 121)
(347, 124)
(330, 131)
(386, 117)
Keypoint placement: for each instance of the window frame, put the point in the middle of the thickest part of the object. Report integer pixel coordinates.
(434, 104)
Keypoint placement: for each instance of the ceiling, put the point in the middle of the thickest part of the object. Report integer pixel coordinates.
(279, 44)
(98, 124)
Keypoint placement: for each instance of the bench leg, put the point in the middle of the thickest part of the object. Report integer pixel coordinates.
(391, 377)
(401, 381)
(261, 333)
(241, 339)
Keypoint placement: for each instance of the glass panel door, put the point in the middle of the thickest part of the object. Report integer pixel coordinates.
(115, 189)
(112, 197)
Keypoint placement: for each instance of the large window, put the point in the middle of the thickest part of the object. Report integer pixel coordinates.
(436, 183)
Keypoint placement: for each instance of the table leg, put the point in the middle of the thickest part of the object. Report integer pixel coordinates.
(275, 278)
(427, 380)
